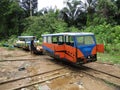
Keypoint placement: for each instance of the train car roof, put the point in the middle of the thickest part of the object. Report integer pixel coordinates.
(26, 36)
(69, 34)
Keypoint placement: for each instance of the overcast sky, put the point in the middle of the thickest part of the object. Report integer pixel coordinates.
(49, 3)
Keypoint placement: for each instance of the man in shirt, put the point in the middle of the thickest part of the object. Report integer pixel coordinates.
(33, 47)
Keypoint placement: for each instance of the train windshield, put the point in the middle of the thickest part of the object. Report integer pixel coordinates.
(85, 40)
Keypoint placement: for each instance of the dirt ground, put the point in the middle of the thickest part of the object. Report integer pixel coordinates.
(17, 63)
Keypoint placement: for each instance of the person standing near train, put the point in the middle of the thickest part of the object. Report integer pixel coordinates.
(32, 45)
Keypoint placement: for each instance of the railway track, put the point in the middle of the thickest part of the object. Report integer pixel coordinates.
(29, 59)
(23, 82)
(98, 74)
(88, 68)
(38, 78)
(102, 75)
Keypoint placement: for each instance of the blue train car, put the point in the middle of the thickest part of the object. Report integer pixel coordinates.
(78, 48)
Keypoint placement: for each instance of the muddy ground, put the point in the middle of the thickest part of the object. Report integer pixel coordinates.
(17, 63)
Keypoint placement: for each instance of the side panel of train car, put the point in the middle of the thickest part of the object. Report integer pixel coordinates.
(77, 48)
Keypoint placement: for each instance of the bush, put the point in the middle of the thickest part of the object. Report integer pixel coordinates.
(38, 25)
(12, 39)
(108, 35)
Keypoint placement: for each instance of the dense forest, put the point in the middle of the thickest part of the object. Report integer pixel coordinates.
(102, 17)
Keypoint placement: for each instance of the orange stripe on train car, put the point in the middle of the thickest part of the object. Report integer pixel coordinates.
(94, 50)
(79, 54)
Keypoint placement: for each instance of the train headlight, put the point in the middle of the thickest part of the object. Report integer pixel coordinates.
(88, 56)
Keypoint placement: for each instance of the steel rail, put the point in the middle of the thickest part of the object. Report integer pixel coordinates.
(99, 78)
(30, 76)
(6, 60)
(85, 67)
(41, 81)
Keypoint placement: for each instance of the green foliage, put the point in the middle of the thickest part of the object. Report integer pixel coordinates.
(10, 17)
(2, 42)
(47, 23)
(73, 29)
(12, 39)
(73, 13)
(107, 9)
(9, 42)
(105, 57)
(108, 35)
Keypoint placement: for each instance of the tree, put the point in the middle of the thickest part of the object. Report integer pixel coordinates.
(72, 12)
(30, 6)
(47, 10)
(14, 23)
(117, 14)
(79, 13)
(10, 17)
(4, 7)
(107, 9)
(47, 23)
(90, 8)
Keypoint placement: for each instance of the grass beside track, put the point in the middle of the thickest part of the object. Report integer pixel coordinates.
(108, 58)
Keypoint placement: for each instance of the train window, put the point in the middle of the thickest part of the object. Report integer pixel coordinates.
(44, 39)
(85, 40)
(54, 39)
(49, 39)
(58, 40)
(80, 40)
(21, 39)
(69, 40)
(89, 40)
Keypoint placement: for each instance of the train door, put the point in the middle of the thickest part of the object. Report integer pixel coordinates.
(70, 50)
(59, 46)
(100, 48)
